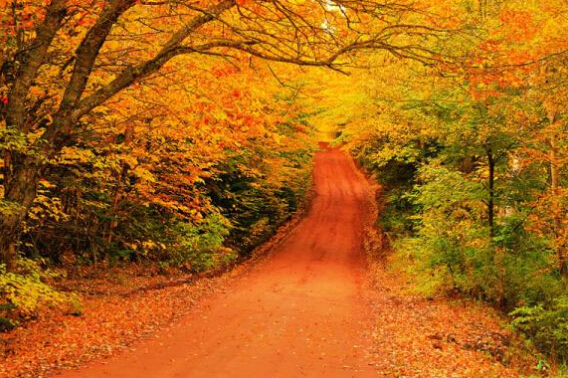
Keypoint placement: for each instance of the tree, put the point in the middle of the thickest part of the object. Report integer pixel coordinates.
(64, 59)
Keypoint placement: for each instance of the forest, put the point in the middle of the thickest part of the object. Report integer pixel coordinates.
(176, 137)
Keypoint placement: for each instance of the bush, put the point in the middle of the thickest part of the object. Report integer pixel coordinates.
(200, 248)
(451, 243)
(24, 294)
(547, 325)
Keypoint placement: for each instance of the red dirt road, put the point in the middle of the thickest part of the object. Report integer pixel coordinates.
(303, 312)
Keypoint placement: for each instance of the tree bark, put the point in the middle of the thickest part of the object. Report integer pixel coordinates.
(19, 196)
(557, 221)
(491, 184)
(31, 60)
(21, 173)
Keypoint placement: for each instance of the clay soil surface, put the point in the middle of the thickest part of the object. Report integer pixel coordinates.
(313, 307)
(302, 312)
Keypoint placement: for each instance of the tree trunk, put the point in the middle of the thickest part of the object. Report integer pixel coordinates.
(491, 202)
(555, 188)
(20, 192)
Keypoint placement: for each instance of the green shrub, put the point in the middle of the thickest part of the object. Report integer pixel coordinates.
(547, 325)
(24, 294)
(450, 242)
(395, 216)
(201, 247)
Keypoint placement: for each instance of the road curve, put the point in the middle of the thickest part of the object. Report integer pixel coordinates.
(302, 312)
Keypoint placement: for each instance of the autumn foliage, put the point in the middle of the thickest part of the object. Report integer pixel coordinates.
(180, 134)
(472, 156)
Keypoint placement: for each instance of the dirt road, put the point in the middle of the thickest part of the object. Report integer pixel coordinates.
(301, 313)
